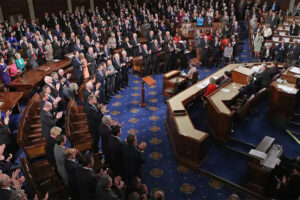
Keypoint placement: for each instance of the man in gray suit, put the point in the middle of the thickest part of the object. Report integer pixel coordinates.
(30, 53)
(59, 154)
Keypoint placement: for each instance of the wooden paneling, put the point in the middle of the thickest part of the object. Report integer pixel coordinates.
(14, 7)
(53, 6)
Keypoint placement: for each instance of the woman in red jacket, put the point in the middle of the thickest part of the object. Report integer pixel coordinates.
(211, 87)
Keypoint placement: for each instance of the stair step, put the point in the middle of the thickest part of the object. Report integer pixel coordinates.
(295, 123)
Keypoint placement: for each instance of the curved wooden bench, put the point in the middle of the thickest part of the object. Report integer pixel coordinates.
(29, 131)
(42, 179)
(76, 127)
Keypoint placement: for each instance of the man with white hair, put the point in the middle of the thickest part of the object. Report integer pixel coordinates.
(30, 53)
(91, 59)
(126, 61)
(54, 89)
(118, 66)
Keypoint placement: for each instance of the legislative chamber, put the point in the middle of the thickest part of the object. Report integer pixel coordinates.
(154, 99)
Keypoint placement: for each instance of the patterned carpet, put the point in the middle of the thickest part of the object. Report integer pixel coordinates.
(161, 171)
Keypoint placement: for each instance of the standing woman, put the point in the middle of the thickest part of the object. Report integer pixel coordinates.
(21, 64)
(49, 50)
(85, 69)
(13, 40)
(200, 20)
(258, 41)
(4, 72)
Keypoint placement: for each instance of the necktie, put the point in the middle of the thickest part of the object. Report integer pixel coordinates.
(34, 56)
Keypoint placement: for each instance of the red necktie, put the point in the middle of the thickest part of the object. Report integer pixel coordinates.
(42, 52)
(34, 55)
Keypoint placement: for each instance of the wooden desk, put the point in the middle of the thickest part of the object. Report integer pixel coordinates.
(149, 81)
(291, 77)
(282, 104)
(170, 78)
(257, 175)
(219, 117)
(10, 100)
(33, 77)
(240, 75)
(189, 144)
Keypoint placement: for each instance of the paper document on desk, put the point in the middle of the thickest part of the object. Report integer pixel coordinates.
(56, 60)
(295, 70)
(203, 84)
(256, 68)
(258, 154)
(287, 89)
(1, 103)
(270, 162)
(187, 51)
(225, 90)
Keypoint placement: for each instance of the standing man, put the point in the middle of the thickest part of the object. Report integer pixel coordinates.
(146, 60)
(77, 68)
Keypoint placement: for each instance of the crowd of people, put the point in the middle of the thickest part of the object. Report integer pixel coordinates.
(93, 36)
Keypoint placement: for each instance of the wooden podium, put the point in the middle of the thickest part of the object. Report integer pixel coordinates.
(149, 82)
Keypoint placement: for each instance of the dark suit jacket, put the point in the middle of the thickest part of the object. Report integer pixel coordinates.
(48, 122)
(114, 158)
(105, 132)
(49, 151)
(132, 159)
(90, 59)
(264, 79)
(71, 168)
(86, 186)
(94, 118)
(248, 90)
(77, 69)
(146, 57)
(106, 194)
(5, 194)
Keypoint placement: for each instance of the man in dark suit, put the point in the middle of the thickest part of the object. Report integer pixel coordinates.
(86, 178)
(205, 45)
(133, 157)
(263, 79)
(126, 62)
(57, 48)
(100, 78)
(77, 68)
(24, 44)
(274, 7)
(273, 20)
(114, 145)
(155, 57)
(91, 59)
(168, 49)
(248, 89)
(50, 143)
(104, 190)
(41, 53)
(150, 38)
(136, 46)
(48, 121)
(72, 166)
(146, 60)
(94, 118)
(105, 132)
(267, 54)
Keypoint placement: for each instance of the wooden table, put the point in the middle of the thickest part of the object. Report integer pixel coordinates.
(33, 77)
(218, 116)
(10, 100)
(149, 81)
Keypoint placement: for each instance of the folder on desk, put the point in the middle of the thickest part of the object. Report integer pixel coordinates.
(179, 112)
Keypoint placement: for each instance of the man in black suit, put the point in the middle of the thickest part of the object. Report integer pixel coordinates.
(205, 45)
(50, 143)
(104, 190)
(101, 78)
(86, 178)
(248, 89)
(126, 62)
(168, 49)
(267, 54)
(136, 46)
(155, 57)
(114, 145)
(133, 157)
(41, 53)
(94, 118)
(72, 166)
(48, 121)
(146, 60)
(263, 79)
(77, 68)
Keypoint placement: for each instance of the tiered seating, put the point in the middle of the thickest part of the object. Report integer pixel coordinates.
(42, 179)
(29, 130)
(76, 127)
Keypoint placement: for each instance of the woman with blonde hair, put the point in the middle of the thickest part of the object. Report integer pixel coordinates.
(112, 42)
